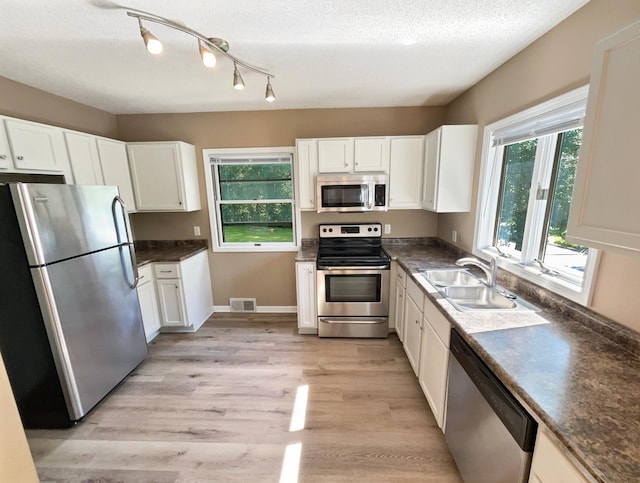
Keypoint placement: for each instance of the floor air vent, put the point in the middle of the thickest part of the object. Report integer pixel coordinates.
(242, 305)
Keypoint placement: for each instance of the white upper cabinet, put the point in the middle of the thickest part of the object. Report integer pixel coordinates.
(5, 151)
(335, 155)
(165, 176)
(115, 169)
(84, 158)
(36, 147)
(405, 172)
(307, 169)
(371, 154)
(448, 175)
(604, 209)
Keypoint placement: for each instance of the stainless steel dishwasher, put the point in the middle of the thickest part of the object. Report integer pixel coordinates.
(489, 433)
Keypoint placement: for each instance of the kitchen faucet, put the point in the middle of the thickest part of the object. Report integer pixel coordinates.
(490, 271)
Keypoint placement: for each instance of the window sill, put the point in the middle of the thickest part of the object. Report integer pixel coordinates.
(555, 284)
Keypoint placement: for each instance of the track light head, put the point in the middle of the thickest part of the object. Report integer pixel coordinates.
(238, 83)
(269, 95)
(207, 56)
(151, 42)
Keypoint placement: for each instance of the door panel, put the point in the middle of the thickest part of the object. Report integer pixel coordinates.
(96, 317)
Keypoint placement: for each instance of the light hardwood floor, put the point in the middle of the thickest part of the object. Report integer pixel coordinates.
(217, 405)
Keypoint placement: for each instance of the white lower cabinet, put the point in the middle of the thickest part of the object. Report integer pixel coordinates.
(306, 297)
(550, 465)
(434, 359)
(148, 302)
(184, 292)
(398, 314)
(413, 324)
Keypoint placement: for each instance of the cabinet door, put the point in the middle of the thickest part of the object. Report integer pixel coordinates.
(307, 164)
(335, 155)
(371, 154)
(149, 309)
(432, 161)
(405, 172)
(449, 161)
(5, 152)
(156, 176)
(550, 465)
(306, 292)
(84, 158)
(115, 169)
(171, 304)
(399, 314)
(434, 362)
(412, 333)
(36, 146)
(604, 209)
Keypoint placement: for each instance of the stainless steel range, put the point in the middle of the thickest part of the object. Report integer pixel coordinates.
(352, 281)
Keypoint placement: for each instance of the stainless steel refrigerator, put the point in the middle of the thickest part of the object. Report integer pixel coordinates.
(70, 322)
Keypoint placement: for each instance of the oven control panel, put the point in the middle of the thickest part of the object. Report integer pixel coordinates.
(353, 230)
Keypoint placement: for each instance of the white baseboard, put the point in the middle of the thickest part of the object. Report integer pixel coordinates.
(272, 309)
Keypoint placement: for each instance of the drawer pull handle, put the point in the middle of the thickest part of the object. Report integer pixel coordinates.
(20, 157)
(165, 271)
(3, 156)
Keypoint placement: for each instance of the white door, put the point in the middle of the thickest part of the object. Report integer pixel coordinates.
(35, 146)
(412, 333)
(5, 152)
(170, 301)
(149, 309)
(432, 161)
(434, 361)
(405, 172)
(307, 164)
(399, 315)
(156, 176)
(115, 169)
(335, 155)
(371, 154)
(306, 291)
(84, 158)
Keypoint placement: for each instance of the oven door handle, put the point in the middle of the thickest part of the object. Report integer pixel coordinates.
(368, 267)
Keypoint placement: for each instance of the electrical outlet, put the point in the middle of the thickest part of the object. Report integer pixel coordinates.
(387, 229)
(454, 236)
(196, 230)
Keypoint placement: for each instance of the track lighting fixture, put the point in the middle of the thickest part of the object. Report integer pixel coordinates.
(238, 82)
(269, 95)
(208, 57)
(209, 47)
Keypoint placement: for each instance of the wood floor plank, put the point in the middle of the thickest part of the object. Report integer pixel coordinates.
(217, 405)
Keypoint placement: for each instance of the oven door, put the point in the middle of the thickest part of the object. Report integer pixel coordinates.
(353, 292)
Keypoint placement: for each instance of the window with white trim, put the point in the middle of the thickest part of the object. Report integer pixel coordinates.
(251, 199)
(528, 172)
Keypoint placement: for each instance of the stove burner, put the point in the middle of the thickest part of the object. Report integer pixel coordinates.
(354, 245)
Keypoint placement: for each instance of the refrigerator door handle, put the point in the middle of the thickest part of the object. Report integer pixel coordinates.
(132, 254)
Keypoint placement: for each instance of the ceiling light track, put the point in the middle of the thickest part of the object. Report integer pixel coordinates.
(208, 47)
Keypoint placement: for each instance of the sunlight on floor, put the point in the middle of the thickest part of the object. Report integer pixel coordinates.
(299, 409)
(291, 463)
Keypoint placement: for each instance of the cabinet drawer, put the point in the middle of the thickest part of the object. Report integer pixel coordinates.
(145, 274)
(415, 292)
(167, 270)
(401, 277)
(439, 322)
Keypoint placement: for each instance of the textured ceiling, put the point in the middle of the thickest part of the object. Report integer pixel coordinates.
(323, 53)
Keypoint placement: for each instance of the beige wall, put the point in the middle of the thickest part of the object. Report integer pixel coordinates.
(556, 63)
(270, 277)
(24, 102)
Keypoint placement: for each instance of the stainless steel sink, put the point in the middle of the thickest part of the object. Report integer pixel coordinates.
(483, 298)
(450, 277)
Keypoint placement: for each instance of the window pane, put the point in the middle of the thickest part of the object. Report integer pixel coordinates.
(257, 222)
(557, 252)
(255, 182)
(514, 193)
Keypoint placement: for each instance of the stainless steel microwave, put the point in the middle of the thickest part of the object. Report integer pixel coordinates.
(351, 192)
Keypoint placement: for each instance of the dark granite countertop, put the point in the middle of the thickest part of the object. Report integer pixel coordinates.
(580, 378)
(148, 251)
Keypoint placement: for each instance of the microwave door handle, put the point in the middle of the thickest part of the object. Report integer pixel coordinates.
(371, 192)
